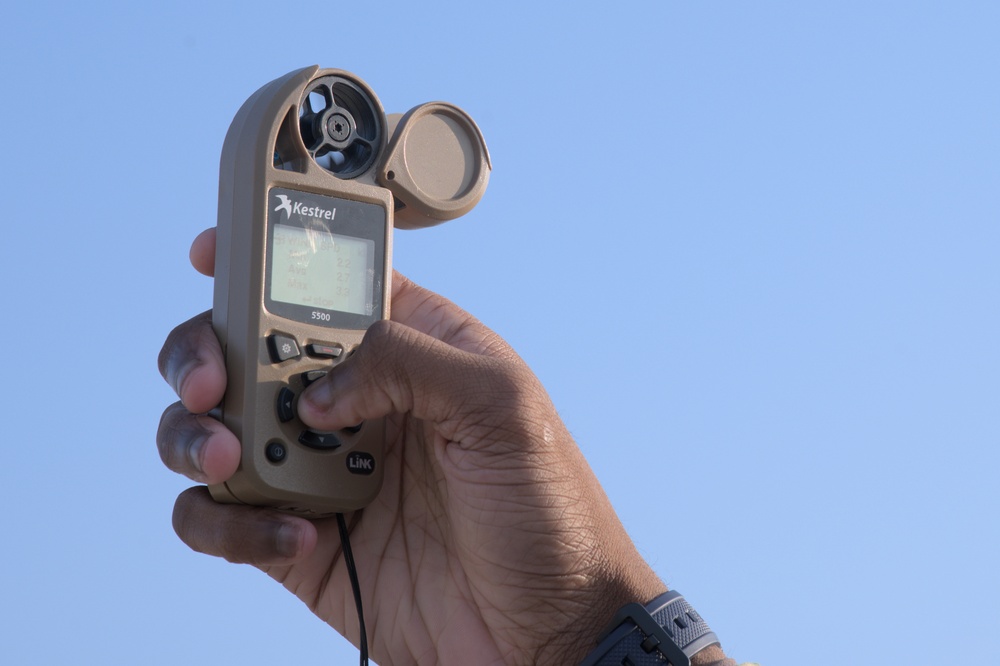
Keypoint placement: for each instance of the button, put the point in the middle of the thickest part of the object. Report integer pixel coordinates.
(286, 399)
(311, 376)
(360, 462)
(276, 452)
(354, 429)
(282, 347)
(323, 441)
(324, 351)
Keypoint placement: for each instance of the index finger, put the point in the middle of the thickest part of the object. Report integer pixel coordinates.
(202, 252)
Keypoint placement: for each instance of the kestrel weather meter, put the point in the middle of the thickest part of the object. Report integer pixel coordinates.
(313, 178)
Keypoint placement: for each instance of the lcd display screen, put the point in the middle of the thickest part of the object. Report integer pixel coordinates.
(314, 268)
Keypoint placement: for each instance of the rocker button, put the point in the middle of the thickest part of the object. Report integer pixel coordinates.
(311, 376)
(324, 351)
(317, 440)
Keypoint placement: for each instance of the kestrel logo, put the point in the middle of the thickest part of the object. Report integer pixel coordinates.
(297, 208)
(285, 205)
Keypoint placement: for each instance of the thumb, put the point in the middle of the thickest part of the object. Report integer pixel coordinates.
(397, 369)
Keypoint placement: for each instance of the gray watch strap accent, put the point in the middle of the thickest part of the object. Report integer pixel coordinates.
(666, 631)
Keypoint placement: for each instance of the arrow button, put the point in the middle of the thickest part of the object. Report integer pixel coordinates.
(323, 441)
(286, 398)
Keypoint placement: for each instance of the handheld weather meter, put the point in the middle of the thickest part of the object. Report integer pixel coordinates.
(313, 178)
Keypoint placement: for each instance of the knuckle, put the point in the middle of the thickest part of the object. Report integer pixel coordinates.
(517, 400)
(235, 534)
(381, 335)
(181, 517)
(177, 439)
(167, 434)
(178, 339)
(187, 346)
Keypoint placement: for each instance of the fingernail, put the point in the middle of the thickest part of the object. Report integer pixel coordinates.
(288, 540)
(194, 451)
(178, 372)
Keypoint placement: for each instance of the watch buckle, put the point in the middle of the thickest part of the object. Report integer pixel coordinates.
(656, 637)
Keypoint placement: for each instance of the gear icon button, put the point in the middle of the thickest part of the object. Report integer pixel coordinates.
(282, 347)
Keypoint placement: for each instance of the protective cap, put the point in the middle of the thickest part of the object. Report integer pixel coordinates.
(436, 165)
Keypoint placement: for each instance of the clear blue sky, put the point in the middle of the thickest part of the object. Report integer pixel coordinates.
(751, 248)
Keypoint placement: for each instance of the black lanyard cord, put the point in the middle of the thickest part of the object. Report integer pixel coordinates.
(352, 572)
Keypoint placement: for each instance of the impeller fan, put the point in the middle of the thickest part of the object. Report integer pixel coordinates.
(341, 126)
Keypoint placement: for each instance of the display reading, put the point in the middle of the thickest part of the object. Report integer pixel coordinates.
(314, 268)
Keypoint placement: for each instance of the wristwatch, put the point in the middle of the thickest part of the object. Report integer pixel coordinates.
(667, 630)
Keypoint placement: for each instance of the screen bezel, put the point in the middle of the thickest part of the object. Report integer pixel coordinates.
(355, 219)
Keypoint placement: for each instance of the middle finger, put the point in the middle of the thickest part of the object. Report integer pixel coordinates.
(197, 446)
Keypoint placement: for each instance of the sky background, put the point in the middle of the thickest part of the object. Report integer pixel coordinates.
(751, 248)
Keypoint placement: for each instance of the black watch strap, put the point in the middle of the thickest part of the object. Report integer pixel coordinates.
(665, 631)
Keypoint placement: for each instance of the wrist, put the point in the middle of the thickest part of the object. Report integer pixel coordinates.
(665, 630)
(594, 608)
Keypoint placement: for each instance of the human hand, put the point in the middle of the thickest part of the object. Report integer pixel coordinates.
(491, 540)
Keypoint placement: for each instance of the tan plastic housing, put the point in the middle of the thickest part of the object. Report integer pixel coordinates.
(308, 481)
(435, 168)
